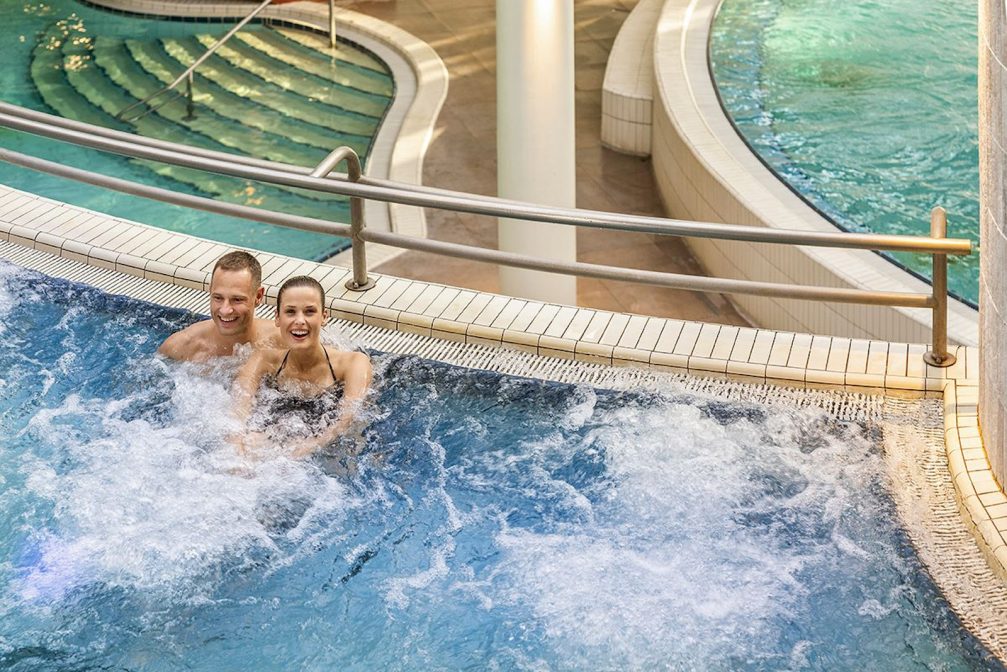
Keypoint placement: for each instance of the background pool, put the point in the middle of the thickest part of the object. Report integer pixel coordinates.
(490, 522)
(867, 109)
(84, 63)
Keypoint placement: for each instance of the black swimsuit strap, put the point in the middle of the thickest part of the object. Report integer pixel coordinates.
(283, 363)
(327, 361)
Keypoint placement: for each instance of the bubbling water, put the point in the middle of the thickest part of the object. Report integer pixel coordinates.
(472, 520)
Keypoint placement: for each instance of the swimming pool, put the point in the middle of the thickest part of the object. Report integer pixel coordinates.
(490, 521)
(867, 110)
(87, 64)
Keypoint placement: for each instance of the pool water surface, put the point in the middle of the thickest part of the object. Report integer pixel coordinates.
(475, 520)
(87, 64)
(868, 110)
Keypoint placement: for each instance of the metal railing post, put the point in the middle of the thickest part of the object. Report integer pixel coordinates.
(938, 355)
(190, 107)
(360, 282)
(332, 24)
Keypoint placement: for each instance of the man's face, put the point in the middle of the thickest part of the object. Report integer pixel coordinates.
(232, 301)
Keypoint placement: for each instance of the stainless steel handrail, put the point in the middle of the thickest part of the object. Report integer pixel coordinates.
(357, 233)
(127, 144)
(319, 179)
(187, 74)
(176, 198)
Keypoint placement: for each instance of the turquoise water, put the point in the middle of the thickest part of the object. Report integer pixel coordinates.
(88, 64)
(867, 109)
(490, 522)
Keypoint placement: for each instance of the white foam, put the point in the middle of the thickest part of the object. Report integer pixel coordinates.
(665, 572)
(159, 508)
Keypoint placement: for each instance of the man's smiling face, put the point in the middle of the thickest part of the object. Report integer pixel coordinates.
(232, 301)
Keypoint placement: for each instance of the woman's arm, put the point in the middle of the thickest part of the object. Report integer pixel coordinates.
(243, 392)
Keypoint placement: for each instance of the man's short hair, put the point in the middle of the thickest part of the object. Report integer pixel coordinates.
(240, 261)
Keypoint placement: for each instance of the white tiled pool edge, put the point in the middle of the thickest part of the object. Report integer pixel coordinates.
(627, 97)
(980, 498)
(706, 172)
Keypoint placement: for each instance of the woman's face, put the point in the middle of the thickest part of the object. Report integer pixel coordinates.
(300, 317)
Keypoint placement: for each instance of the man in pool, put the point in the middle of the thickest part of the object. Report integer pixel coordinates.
(235, 291)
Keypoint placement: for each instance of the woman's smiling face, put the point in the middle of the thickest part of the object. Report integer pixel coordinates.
(300, 317)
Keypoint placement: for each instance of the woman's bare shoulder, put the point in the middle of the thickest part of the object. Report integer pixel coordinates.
(347, 359)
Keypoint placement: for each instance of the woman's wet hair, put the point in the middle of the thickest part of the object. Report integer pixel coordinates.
(300, 281)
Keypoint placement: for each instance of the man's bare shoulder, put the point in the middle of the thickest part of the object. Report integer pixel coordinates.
(267, 335)
(194, 343)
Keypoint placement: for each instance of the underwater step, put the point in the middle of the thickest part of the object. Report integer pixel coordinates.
(88, 95)
(91, 85)
(260, 66)
(138, 83)
(237, 92)
(323, 65)
(234, 109)
(343, 52)
(50, 80)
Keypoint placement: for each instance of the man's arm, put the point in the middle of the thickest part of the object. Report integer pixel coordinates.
(246, 385)
(179, 345)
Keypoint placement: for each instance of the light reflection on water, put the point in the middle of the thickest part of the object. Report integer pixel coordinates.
(868, 109)
(490, 521)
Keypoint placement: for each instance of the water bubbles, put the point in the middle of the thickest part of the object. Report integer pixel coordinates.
(475, 521)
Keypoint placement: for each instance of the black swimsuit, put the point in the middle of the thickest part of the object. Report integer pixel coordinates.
(301, 415)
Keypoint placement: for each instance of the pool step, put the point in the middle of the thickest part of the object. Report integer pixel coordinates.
(70, 83)
(130, 76)
(97, 95)
(253, 68)
(276, 46)
(235, 94)
(319, 43)
(315, 99)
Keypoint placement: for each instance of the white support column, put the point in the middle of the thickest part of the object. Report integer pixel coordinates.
(993, 233)
(536, 140)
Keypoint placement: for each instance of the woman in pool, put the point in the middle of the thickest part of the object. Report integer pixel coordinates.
(305, 394)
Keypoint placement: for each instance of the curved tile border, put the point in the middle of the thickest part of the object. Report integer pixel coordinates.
(421, 81)
(627, 96)
(706, 172)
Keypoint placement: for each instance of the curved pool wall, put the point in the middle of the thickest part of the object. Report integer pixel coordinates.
(421, 82)
(863, 117)
(706, 172)
(363, 535)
